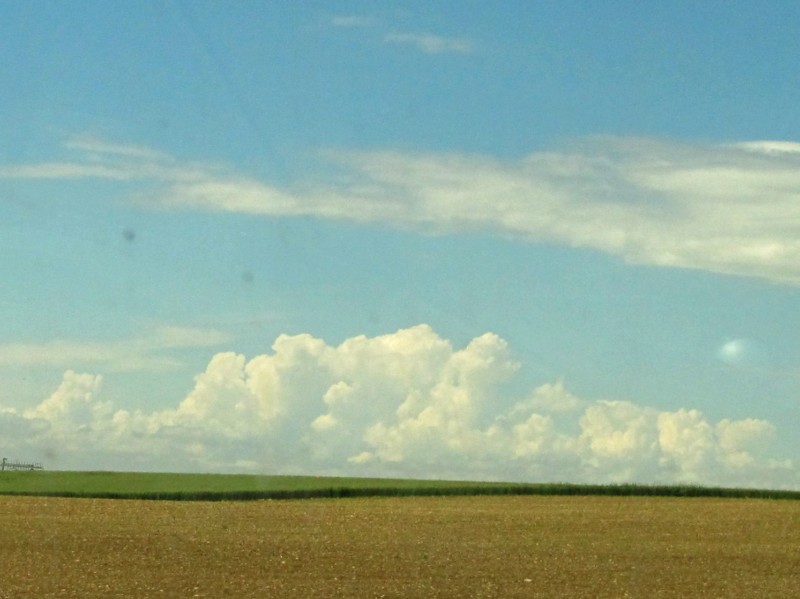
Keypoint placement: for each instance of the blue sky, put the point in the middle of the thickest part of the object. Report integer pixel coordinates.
(536, 241)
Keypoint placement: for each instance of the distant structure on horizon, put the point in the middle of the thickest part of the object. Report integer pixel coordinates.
(7, 464)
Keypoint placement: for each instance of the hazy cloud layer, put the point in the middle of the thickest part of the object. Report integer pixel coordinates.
(402, 404)
(732, 208)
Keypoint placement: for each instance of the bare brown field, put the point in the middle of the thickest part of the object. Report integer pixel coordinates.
(401, 547)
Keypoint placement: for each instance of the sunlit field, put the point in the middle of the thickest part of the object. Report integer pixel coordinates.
(490, 546)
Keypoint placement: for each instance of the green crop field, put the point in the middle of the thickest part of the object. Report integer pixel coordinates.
(144, 485)
(141, 485)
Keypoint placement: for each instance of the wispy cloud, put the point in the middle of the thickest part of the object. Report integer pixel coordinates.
(64, 170)
(770, 147)
(403, 404)
(430, 43)
(152, 351)
(728, 208)
(355, 21)
(426, 42)
(94, 158)
(97, 149)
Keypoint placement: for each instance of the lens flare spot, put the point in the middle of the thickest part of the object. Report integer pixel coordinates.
(741, 352)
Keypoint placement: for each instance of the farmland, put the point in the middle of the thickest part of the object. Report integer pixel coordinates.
(217, 487)
(442, 546)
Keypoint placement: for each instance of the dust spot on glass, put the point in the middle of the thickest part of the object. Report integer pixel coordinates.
(247, 276)
(129, 235)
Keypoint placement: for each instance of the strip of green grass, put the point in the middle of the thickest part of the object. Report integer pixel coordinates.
(216, 487)
(209, 486)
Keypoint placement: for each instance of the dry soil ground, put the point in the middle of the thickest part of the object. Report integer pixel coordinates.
(403, 547)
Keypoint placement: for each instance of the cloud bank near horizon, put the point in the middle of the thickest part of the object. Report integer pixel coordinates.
(724, 208)
(404, 404)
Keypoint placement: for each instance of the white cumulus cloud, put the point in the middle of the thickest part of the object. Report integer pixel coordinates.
(402, 404)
